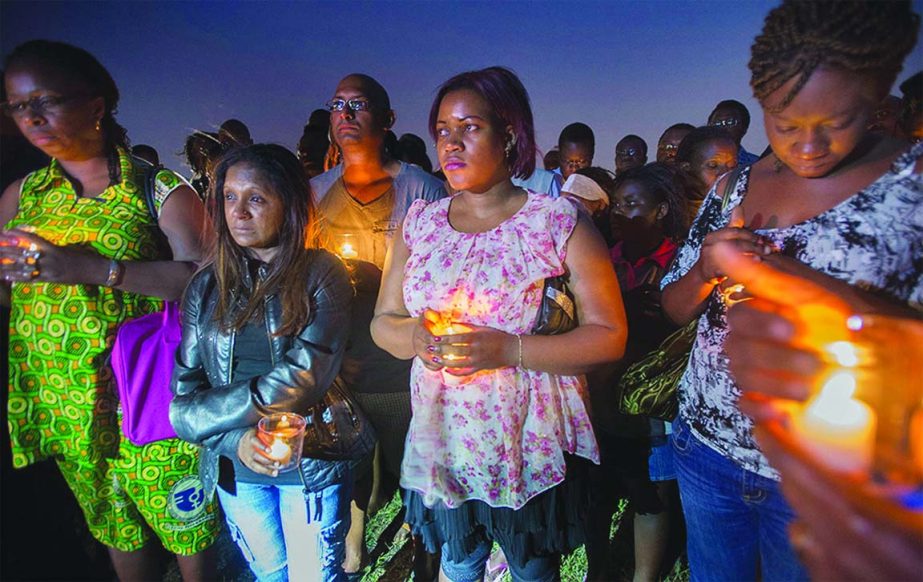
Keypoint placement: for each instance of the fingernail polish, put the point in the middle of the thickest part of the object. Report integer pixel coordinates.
(436, 360)
(437, 339)
(431, 349)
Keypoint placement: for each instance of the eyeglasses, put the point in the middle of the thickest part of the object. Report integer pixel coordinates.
(731, 122)
(627, 153)
(668, 147)
(40, 105)
(579, 164)
(354, 105)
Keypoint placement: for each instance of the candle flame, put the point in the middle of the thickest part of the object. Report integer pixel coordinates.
(845, 353)
(835, 403)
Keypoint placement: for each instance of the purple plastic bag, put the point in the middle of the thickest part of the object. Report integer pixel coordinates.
(142, 363)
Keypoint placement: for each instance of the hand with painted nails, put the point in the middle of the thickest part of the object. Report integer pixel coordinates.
(426, 345)
(25, 256)
(483, 348)
(774, 339)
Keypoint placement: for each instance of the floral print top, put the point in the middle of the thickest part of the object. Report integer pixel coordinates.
(873, 239)
(498, 436)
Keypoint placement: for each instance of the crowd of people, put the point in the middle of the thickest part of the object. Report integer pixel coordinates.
(480, 312)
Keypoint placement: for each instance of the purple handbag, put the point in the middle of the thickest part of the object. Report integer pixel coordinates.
(143, 356)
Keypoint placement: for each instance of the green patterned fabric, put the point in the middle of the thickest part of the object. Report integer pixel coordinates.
(60, 399)
(150, 488)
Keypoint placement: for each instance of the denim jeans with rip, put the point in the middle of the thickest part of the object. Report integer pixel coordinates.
(287, 534)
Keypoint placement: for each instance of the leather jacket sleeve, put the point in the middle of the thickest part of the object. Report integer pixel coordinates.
(299, 379)
(188, 370)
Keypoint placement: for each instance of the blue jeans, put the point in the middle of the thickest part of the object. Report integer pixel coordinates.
(736, 521)
(471, 569)
(286, 534)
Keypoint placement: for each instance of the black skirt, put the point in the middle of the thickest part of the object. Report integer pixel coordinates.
(552, 522)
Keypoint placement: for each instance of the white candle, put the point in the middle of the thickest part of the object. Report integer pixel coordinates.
(280, 451)
(836, 428)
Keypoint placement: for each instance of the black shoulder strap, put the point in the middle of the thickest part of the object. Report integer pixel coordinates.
(729, 186)
(149, 182)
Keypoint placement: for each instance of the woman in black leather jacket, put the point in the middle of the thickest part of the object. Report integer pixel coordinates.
(264, 329)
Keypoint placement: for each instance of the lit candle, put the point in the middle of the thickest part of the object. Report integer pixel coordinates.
(835, 427)
(440, 324)
(280, 451)
(284, 432)
(347, 251)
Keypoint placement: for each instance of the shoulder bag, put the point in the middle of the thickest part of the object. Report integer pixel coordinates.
(557, 312)
(336, 428)
(142, 359)
(648, 387)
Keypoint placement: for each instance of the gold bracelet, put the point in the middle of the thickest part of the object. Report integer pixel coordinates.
(519, 337)
(116, 272)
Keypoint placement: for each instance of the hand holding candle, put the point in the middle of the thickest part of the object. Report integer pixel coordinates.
(443, 352)
(283, 434)
(471, 349)
(797, 341)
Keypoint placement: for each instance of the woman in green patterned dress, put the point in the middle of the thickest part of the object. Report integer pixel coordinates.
(83, 253)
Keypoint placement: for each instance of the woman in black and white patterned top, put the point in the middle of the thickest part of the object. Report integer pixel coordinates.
(833, 202)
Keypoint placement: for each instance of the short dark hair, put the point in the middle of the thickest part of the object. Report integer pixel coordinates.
(237, 130)
(686, 126)
(146, 152)
(690, 145)
(637, 138)
(733, 104)
(579, 133)
(510, 104)
(413, 150)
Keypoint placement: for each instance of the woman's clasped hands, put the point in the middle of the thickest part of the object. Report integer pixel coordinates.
(462, 348)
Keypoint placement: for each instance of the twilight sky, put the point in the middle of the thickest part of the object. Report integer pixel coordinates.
(621, 67)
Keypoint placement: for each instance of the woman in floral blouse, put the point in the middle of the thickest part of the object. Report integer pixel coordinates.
(499, 415)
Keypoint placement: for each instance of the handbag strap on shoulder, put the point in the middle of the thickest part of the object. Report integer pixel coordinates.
(729, 186)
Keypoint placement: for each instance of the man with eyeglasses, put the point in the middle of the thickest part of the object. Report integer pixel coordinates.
(630, 152)
(669, 141)
(734, 117)
(364, 201)
(576, 145)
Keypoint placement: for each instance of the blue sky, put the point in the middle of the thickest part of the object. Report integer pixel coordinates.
(621, 67)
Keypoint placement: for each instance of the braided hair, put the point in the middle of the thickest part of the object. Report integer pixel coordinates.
(83, 68)
(855, 35)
